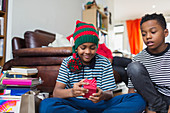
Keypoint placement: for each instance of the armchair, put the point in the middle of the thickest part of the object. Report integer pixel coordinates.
(28, 51)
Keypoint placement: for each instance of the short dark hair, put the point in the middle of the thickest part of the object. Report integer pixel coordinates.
(159, 17)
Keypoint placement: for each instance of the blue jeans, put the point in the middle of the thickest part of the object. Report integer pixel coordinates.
(127, 103)
(144, 86)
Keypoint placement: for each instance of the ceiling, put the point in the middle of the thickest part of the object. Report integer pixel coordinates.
(132, 9)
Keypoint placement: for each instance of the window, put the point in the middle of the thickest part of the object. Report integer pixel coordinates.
(118, 39)
(119, 29)
(167, 39)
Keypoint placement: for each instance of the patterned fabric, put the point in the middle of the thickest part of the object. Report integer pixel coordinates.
(83, 33)
(158, 67)
(102, 71)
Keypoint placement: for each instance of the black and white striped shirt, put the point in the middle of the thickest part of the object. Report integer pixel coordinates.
(158, 66)
(102, 70)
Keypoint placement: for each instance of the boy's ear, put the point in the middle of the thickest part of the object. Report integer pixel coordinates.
(166, 32)
(76, 50)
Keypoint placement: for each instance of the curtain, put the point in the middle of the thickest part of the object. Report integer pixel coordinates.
(134, 35)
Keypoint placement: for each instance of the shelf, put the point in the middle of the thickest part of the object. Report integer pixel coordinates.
(1, 36)
(97, 18)
(91, 6)
(3, 28)
(103, 15)
(2, 13)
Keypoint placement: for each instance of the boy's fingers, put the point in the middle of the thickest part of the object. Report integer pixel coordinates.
(99, 92)
(94, 99)
(82, 82)
(82, 90)
(79, 93)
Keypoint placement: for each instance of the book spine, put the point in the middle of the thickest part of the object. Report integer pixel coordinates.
(24, 70)
(1, 25)
(1, 3)
(16, 82)
(4, 5)
(1, 46)
(18, 91)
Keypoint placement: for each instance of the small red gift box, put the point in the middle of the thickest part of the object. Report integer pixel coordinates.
(91, 87)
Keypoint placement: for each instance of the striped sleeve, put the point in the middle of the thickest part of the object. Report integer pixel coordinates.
(108, 81)
(63, 75)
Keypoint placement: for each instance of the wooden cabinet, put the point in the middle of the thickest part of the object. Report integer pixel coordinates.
(97, 18)
(3, 30)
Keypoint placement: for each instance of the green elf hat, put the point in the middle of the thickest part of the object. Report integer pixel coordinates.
(84, 32)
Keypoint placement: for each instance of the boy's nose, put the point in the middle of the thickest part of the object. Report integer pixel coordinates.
(148, 36)
(87, 51)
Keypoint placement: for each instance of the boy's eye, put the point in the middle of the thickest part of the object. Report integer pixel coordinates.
(143, 34)
(83, 48)
(93, 48)
(153, 32)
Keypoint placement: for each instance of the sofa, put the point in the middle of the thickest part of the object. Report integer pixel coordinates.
(32, 51)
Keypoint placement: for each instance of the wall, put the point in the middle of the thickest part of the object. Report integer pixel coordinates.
(110, 4)
(50, 15)
(130, 10)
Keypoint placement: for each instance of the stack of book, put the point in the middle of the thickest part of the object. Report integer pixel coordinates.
(18, 81)
(23, 71)
(19, 86)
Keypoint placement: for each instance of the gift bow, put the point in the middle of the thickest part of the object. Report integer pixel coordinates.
(91, 82)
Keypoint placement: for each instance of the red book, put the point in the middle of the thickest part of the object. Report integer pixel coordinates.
(4, 5)
(20, 81)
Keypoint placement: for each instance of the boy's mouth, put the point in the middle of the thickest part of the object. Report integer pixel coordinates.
(87, 56)
(150, 43)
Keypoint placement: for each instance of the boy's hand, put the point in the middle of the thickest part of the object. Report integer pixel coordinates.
(169, 109)
(78, 90)
(97, 97)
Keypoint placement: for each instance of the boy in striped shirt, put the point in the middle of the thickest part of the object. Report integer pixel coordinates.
(85, 63)
(150, 71)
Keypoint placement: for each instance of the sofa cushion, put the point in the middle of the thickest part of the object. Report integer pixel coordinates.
(18, 43)
(35, 61)
(40, 52)
(36, 39)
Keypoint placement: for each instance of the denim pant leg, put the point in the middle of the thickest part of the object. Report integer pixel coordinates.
(144, 86)
(127, 103)
(58, 105)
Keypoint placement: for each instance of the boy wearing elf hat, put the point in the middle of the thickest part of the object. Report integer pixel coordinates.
(85, 64)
